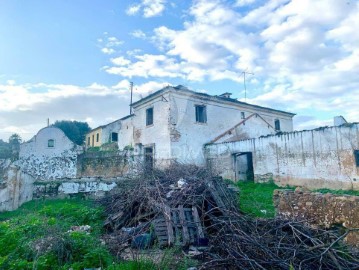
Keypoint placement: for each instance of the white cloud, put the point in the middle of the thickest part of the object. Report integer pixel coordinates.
(24, 108)
(138, 34)
(149, 8)
(109, 45)
(120, 61)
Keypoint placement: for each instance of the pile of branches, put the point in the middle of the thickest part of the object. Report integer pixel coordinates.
(235, 241)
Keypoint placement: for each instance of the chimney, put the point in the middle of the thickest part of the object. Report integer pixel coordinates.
(339, 120)
(225, 95)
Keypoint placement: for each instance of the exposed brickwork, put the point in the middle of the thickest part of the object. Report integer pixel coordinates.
(319, 209)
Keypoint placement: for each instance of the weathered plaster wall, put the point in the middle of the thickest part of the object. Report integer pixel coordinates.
(188, 137)
(91, 187)
(126, 135)
(315, 158)
(108, 129)
(319, 209)
(44, 163)
(156, 135)
(15, 189)
(104, 164)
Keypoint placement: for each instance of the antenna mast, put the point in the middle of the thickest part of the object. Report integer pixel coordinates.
(131, 89)
(244, 83)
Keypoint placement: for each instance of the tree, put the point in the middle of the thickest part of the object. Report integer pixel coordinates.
(74, 130)
(15, 140)
(5, 150)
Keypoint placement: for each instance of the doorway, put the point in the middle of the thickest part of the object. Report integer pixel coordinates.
(148, 151)
(243, 166)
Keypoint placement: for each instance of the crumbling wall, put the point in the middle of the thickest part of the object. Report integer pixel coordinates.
(104, 164)
(318, 158)
(319, 209)
(93, 188)
(47, 162)
(15, 189)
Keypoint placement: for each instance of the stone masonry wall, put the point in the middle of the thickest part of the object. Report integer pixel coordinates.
(319, 209)
(104, 164)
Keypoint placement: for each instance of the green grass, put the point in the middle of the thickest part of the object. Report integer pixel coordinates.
(256, 199)
(36, 236)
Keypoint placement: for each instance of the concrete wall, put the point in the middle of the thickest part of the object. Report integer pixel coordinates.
(320, 158)
(188, 137)
(126, 135)
(42, 162)
(319, 209)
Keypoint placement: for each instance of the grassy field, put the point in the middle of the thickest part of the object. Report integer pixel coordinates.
(257, 199)
(36, 237)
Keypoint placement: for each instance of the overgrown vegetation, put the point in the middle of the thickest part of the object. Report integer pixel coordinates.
(37, 236)
(256, 199)
(338, 192)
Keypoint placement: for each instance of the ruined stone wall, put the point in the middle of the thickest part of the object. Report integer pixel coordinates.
(318, 209)
(104, 164)
(15, 189)
(46, 162)
(89, 188)
(319, 158)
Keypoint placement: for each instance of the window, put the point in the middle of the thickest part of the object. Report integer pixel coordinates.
(149, 116)
(93, 140)
(114, 137)
(51, 143)
(243, 115)
(88, 140)
(277, 125)
(356, 155)
(201, 115)
(97, 137)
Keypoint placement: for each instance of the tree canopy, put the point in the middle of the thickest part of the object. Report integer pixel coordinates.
(74, 130)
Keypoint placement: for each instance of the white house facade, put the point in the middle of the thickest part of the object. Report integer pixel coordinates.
(175, 123)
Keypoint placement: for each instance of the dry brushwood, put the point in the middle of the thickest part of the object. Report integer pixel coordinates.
(236, 241)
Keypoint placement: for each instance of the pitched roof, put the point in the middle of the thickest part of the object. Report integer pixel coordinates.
(183, 89)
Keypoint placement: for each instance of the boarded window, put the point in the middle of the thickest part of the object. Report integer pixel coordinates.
(114, 137)
(356, 155)
(149, 116)
(243, 115)
(201, 114)
(51, 143)
(97, 137)
(277, 124)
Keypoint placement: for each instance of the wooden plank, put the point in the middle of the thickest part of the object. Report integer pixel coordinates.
(198, 222)
(183, 222)
(168, 219)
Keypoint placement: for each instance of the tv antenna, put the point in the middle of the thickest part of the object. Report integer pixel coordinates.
(131, 89)
(244, 83)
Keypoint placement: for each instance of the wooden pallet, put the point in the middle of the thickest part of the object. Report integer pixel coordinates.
(178, 226)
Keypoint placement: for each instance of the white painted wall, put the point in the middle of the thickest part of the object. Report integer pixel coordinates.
(220, 117)
(125, 134)
(320, 158)
(45, 163)
(158, 134)
(108, 129)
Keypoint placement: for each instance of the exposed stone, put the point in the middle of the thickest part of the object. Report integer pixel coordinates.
(319, 209)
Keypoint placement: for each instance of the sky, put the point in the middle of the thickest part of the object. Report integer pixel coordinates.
(75, 59)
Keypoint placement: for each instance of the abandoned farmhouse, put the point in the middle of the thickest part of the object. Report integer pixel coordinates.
(239, 141)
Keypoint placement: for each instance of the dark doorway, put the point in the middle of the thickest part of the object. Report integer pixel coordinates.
(148, 158)
(243, 166)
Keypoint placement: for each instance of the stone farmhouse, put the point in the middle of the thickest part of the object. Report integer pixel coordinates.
(175, 123)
